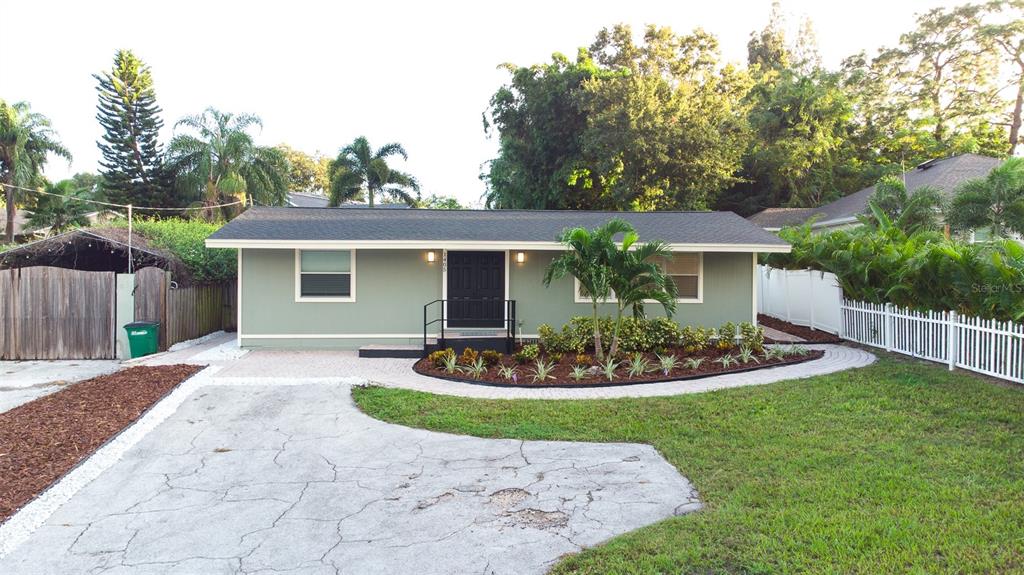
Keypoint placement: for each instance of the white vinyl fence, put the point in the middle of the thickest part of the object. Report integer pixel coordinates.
(986, 346)
(803, 297)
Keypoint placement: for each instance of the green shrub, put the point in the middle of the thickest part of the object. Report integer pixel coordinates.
(186, 240)
(695, 339)
(527, 353)
(436, 358)
(553, 341)
(491, 357)
(751, 336)
(727, 335)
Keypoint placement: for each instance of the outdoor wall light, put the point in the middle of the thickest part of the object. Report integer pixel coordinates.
(520, 257)
(431, 256)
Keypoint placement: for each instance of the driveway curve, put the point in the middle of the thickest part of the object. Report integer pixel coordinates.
(261, 478)
(399, 373)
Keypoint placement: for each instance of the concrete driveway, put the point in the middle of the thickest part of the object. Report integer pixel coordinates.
(276, 478)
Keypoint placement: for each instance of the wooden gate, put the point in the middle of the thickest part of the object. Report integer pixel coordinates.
(151, 299)
(56, 313)
(184, 313)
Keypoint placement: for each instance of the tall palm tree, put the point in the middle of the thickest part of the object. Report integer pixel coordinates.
(67, 208)
(996, 201)
(636, 277)
(26, 138)
(358, 170)
(218, 162)
(587, 259)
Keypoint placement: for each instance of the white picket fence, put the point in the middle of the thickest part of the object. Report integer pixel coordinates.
(804, 297)
(986, 346)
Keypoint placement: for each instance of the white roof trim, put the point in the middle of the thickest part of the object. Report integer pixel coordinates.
(465, 245)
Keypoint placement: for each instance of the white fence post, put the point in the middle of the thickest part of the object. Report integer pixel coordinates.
(785, 280)
(887, 327)
(951, 339)
(810, 281)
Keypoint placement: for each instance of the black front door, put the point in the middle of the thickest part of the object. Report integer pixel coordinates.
(476, 289)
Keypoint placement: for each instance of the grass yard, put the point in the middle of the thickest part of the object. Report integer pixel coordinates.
(897, 467)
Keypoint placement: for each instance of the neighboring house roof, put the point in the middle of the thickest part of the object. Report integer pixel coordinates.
(945, 174)
(304, 200)
(293, 227)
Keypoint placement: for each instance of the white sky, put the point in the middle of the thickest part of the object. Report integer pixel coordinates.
(321, 73)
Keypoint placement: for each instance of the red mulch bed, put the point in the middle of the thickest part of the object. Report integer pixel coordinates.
(43, 439)
(811, 335)
(563, 370)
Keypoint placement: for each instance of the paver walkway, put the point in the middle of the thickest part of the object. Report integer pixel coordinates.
(273, 478)
(774, 334)
(398, 373)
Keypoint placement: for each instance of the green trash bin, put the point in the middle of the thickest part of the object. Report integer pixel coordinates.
(143, 337)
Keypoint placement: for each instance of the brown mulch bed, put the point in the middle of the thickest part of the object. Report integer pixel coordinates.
(43, 439)
(811, 335)
(563, 370)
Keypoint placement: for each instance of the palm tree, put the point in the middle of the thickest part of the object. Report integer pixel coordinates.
(220, 163)
(359, 170)
(996, 201)
(587, 259)
(25, 140)
(636, 277)
(919, 210)
(66, 211)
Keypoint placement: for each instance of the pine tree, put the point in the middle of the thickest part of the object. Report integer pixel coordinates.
(132, 165)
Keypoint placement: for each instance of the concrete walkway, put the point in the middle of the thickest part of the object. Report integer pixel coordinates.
(23, 381)
(399, 373)
(254, 478)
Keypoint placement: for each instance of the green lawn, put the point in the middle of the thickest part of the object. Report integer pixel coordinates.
(898, 467)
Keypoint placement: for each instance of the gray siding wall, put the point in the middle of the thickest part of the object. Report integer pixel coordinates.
(392, 286)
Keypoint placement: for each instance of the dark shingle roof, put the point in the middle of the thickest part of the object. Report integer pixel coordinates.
(945, 174)
(334, 224)
(781, 217)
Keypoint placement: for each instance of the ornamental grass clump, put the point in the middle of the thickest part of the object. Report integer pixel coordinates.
(542, 371)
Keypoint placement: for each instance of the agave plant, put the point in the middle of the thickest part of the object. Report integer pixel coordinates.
(450, 363)
(693, 363)
(609, 367)
(579, 372)
(773, 353)
(477, 369)
(667, 363)
(727, 361)
(639, 365)
(508, 372)
(542, 370)
(746, 354)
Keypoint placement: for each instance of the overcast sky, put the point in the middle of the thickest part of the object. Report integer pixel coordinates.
(321, 73)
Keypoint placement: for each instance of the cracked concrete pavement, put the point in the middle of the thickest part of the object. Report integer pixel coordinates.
(269, 478)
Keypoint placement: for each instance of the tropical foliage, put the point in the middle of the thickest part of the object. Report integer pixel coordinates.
(359, 171)
(995, 203)
(920, 270)
(65, 205)
(306, 173)
(186, 240)
(918, 210)
(218, 162)
(133, 163)
(26, 137)
(629, 271)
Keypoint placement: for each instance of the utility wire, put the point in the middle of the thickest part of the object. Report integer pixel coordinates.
(37, 191)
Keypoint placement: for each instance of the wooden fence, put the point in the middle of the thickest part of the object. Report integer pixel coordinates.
(184, 313)
(56, 313)
(983, 345)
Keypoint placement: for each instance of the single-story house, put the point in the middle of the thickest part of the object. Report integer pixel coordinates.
(345, 279)
(944, 174)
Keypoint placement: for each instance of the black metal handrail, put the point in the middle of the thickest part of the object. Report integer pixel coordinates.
(508, 319)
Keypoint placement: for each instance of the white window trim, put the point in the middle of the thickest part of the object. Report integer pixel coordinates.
(577, 298)
(322, 299)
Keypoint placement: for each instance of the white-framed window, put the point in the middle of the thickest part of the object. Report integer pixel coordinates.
(687, 271)
(685, 268)
(325, 275)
